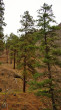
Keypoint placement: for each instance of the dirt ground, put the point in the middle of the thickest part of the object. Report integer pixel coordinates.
(11, 95)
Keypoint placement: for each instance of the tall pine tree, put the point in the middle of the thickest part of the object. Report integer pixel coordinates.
(1, 24)
(45, 18)
(48, 59)
(27, 46)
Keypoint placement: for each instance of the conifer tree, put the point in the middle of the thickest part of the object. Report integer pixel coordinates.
(1, 24)
(44, 21)
(27, 46)
(48, 59)
(27, 23)
(12, 46)
(26, 58)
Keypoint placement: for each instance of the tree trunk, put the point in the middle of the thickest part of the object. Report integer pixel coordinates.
(24, 84)
(24, 75)
(14, 59)
(53, 101)
(51, 89)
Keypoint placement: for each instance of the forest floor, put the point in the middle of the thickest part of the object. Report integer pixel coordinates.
(11, 91)
(11, 95)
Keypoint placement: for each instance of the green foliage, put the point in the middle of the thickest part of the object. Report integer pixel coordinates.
(43, 83)
(27, 23)
(37, 64)
(45, 12)
(46, 60)
(27, 49)
(57, 52)
(43, 93)
(12, 46)
(38, 84)
(38, 75)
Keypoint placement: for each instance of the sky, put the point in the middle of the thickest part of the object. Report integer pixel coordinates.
(15, 8)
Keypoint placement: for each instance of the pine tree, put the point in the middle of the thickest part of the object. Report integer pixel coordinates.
(45, 18)
(48, 59)
(27, 23)
(1, 24)
(26, 58)
(27, 46)
(12, 47)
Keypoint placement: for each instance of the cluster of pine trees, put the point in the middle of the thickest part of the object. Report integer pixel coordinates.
(33, 50)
